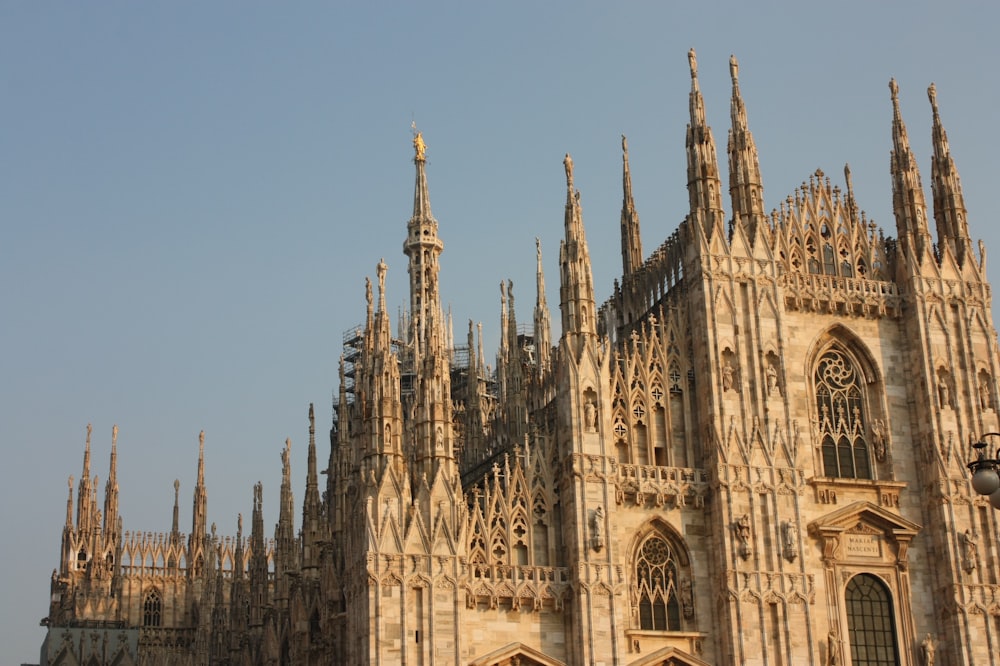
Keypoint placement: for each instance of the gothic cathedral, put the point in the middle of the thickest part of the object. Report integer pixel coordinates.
(754, 452)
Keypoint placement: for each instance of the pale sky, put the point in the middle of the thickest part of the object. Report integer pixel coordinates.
(191, 195)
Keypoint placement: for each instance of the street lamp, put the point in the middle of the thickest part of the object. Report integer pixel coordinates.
(986, 471)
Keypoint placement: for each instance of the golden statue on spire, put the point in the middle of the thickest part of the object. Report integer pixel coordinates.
(418, 143)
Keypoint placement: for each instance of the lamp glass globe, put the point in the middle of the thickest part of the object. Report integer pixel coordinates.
(986, 481)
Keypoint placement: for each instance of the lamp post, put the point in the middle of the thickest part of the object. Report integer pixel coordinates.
(986, 471)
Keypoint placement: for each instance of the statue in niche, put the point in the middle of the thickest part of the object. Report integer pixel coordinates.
(984, 394)
(743, 534)
(687, 598)
(590, 415)
(832, 649)
(772, 379)
(597, 529)
(789, 537)
(927, 649)
(970, 550)
(944, 394)
(727, 376)
(878, 439)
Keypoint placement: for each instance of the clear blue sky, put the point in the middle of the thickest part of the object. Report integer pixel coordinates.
(192, 193)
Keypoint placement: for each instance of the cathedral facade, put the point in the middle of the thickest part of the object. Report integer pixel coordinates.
(754, 452)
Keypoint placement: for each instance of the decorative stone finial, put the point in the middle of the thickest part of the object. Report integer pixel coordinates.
(568, 163)
(693, 62)
(932, 96)
(201, 440)
(380, 271)
(90, 429)
(894, 90)
(734, 68)
(114, 436)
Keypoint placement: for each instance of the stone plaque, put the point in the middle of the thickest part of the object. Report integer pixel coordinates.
(863, 545)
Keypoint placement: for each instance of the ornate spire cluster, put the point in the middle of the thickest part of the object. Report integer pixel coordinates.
(631, 238)
(909, 205)
(704, 183)
(576, 281)
(949, 202)
(745, 186)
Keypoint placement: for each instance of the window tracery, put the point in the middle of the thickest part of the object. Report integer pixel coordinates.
(656, 585)
(840, 407)
(152, 609)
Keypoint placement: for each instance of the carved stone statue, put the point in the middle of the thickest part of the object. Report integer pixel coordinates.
(984, 394)
(927, 651)
(590, 415)
(970, 550)
(727, 377)
(772, 379)
(878, 439)
(743, 534)
(832, 649)
(944, 394)
(597, 528)
(687, 598)
(789, 538)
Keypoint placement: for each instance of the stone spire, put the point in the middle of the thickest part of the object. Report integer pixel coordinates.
(543, 325)
(175, 526)
(199, 512)
(631, 240)
(576, 282)
(431, 412)
(423, 248)
(285, 556)
(69, 505)
(745, 185)
(258, 559)
(111, 489)
(949, 202)
(909, 205)
(84, 491)
(311, 510)
(704, 183)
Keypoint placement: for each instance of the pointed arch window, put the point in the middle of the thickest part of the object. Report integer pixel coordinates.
(870, 626)
(840, 406)
(152, 609)
(656, 578)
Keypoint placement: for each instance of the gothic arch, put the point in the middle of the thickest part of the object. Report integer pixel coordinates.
(839, 334)
(659, 578)
(847, 400)
(152, 608)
